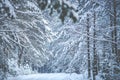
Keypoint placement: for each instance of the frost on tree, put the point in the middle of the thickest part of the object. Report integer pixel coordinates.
(34, 39)
(23, 37)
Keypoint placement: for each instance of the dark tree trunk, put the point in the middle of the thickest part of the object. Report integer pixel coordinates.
(95, 61)
(88, 47)
(115, 31)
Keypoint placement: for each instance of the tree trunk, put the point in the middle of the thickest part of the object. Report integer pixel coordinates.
(115, 32)
(88, 48)
(20, 55)
(95, 61)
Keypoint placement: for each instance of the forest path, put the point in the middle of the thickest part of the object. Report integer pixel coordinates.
(49, 76)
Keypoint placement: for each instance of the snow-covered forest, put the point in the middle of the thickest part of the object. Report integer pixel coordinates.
(59, 39)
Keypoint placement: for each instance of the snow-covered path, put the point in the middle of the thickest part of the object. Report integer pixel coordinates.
(49, 76)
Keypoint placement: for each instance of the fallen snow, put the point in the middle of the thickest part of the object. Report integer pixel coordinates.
(50, 76)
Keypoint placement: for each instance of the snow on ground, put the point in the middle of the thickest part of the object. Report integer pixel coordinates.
(50, 76)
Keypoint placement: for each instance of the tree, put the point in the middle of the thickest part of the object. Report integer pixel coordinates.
(60, 6)
(95, 58)
(22, 29)
(88, 47)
